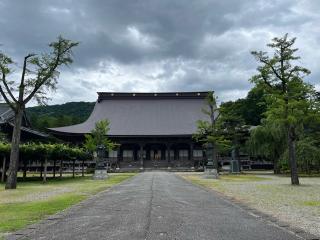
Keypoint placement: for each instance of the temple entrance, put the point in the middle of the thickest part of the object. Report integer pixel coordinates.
(155, 155)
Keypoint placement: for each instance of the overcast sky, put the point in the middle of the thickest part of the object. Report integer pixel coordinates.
(159, 45)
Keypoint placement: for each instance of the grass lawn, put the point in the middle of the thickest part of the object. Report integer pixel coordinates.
(33, 200)
(274, 195)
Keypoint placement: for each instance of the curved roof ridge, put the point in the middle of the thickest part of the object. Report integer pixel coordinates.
(143, 116)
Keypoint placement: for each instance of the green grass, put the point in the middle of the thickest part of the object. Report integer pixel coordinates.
(311, 203)
(219, 184)
(33, 201)
(242, 178)
(15, 216)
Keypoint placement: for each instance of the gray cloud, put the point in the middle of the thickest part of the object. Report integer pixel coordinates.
(159, 45)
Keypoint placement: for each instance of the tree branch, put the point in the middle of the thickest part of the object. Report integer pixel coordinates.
(49, 74)
(265, 80)
(21, 87)
(7, 87)
(274, 70)
(7, 100)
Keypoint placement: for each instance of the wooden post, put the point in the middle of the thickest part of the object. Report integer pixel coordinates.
(73, 167)
(45, 170)
(168, 155)
(82, 167)
(61, 165)
(141, 156)
(191, 152)
(24, 169)
(54, 168)
(3, 169)
(41, 169)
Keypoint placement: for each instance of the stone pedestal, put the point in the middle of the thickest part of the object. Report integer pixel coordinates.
(234, 167)
(211, 173)
(100, 174)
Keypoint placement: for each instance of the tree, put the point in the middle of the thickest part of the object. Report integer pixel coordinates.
(268, 140)
(39, 75)
(208, 131)
(253, 107)
(233, 126)
(289, 97)
(98, 137)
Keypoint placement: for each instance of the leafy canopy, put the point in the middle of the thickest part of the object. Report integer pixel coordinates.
(98, 136)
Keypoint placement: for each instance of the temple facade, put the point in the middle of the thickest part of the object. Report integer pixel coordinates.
(153, 130)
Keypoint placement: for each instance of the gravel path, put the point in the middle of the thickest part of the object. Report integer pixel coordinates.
(156, 205)
(298, 206)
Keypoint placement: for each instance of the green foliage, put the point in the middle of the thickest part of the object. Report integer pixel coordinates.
(252, 108)
(208, 131)
(39, 75)
(98, 137)
(292, 107)
(232, 124)
(308, 155)
(40, 151)
(268, 141)
(288, 95)
(43, 117)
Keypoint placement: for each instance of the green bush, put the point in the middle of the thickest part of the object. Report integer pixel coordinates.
(40, 151)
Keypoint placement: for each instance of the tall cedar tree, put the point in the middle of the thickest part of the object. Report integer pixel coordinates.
(288, 93)
(39, 75)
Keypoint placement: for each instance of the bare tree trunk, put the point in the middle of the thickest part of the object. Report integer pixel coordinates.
(24, 169)
(215, 158)
(41, 169)
(3, 168)
(292, 156)
(276, 167)
(61, 165)
(14, 154)
(82, 167)
(54, 167)
(45, 170)
(73, 167)
(237, 157)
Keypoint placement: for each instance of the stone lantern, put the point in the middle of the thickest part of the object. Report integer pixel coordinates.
(211, 168)
(100, 171)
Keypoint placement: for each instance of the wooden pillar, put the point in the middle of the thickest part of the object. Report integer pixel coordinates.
(3, 169)
(45, 170)
(61, 167)
(141, 156)
(82, 167)
(54, 167)
(168, 154)
(118, 157)
(191, 152)
(73, 167)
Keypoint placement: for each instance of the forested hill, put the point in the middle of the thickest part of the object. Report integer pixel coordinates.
(42, 117)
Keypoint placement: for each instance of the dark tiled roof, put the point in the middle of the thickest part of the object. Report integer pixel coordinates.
(7, 117)
(6, 113)
(144, 114)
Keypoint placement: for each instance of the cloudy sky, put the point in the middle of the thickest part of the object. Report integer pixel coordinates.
(159, 45)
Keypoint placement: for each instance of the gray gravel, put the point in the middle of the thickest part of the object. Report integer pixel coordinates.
(156, 205)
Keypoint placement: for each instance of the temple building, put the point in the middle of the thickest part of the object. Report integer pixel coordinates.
(153, 130)
(7, 124)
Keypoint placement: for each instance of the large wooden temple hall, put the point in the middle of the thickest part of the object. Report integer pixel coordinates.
(152, 129)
